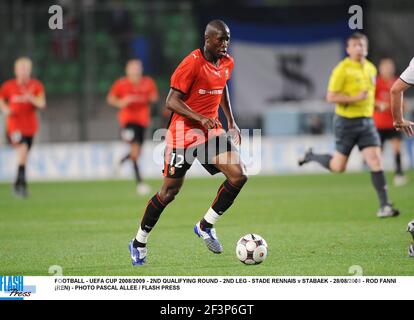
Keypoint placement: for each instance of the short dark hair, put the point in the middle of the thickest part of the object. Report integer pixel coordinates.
(357, 36)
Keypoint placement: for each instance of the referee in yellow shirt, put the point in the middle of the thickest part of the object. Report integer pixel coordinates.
(352, 89)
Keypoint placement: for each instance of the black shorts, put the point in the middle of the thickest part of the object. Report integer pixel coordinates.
(133, 133)
(355, 131)
(178, 161)
(389, 134)
(17, 138)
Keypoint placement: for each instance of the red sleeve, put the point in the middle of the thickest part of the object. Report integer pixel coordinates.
(4, 92)
(185, 74)
(153, 90)
(115, 89)
(231, 66)
(39, 88)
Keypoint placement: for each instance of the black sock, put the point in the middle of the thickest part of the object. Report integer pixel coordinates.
(21, 175)
(136, 171)
(138, 244)
(398, 165)
(380, 184)
(205, 225)
(323, 159)
(124, 159)
(152, 213)
(225, 197)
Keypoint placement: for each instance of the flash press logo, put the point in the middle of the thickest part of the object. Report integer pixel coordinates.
(12, 288)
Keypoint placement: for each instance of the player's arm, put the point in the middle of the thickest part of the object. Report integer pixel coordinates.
(4, 107)
(39, 101)
(116, 102)
(397, 91)
(225, 105)
(341, 98)
(176, 104)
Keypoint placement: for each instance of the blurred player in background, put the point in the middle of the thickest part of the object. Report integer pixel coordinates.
(132, 95)
(198, 88)
(352, 88)
(20, 98)
(383, 116)
(405, 81)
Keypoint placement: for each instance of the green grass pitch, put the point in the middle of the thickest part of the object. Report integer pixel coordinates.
(314, 225)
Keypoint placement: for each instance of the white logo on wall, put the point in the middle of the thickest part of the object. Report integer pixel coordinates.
(356, 21)
(56, 20)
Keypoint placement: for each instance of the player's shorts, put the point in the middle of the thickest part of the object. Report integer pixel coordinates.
(389, 134)
(355, 131)
(178, 161)
(133, 133)
(17, 138)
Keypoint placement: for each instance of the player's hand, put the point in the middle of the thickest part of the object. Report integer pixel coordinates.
(209, 123)
(234, 133)
(405, 126)
(125, 101)
(6, 111)
(361, 96)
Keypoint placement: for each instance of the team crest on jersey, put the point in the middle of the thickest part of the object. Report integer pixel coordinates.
(172, 171)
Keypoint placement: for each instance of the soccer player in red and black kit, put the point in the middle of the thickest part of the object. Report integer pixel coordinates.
(198, 88)
(383, 115)
(20, 98)
(132, 95)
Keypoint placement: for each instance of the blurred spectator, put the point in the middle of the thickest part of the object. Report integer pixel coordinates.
(121, 29)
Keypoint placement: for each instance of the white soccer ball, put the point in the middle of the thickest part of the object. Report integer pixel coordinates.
(251, 249)
(410, 227)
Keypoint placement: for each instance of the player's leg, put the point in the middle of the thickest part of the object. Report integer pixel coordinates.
(229, 163)
(369, 143)
(335, 163)
(399, 178)
(372, 156)
(344, 141)
(153, 211)
(22, 151)
(135, 153)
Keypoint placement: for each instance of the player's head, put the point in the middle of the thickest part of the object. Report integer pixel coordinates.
(357, 46)
(23, 68)
(217, 38)
(134, 68)
(386, 68)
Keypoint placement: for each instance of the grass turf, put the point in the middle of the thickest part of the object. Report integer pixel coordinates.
(314, 225)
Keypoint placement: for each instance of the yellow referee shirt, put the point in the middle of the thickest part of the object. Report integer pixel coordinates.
(350, 78)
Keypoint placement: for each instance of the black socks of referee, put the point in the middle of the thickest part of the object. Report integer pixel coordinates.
(21, 175)
(152, 213)
(380, 184)
(323, 159)
(224, 199)
(398, 165)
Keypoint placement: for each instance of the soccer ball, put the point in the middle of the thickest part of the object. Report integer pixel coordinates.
(410, 227)
(251, 249)
(411, 251)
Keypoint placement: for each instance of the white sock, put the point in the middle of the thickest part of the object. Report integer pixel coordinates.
(211, 216)
(142, 236)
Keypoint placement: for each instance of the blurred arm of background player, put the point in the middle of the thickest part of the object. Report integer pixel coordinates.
(118, 103)
(176, 104)
(337, 97)
(4, 107)
(225, 104)
(38, 101)
(400, 123)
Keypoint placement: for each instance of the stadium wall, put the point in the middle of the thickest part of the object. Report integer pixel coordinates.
(94, 161)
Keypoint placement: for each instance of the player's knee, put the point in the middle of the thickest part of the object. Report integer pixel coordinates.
(239, 180)
(338, 168)
(168, 195)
